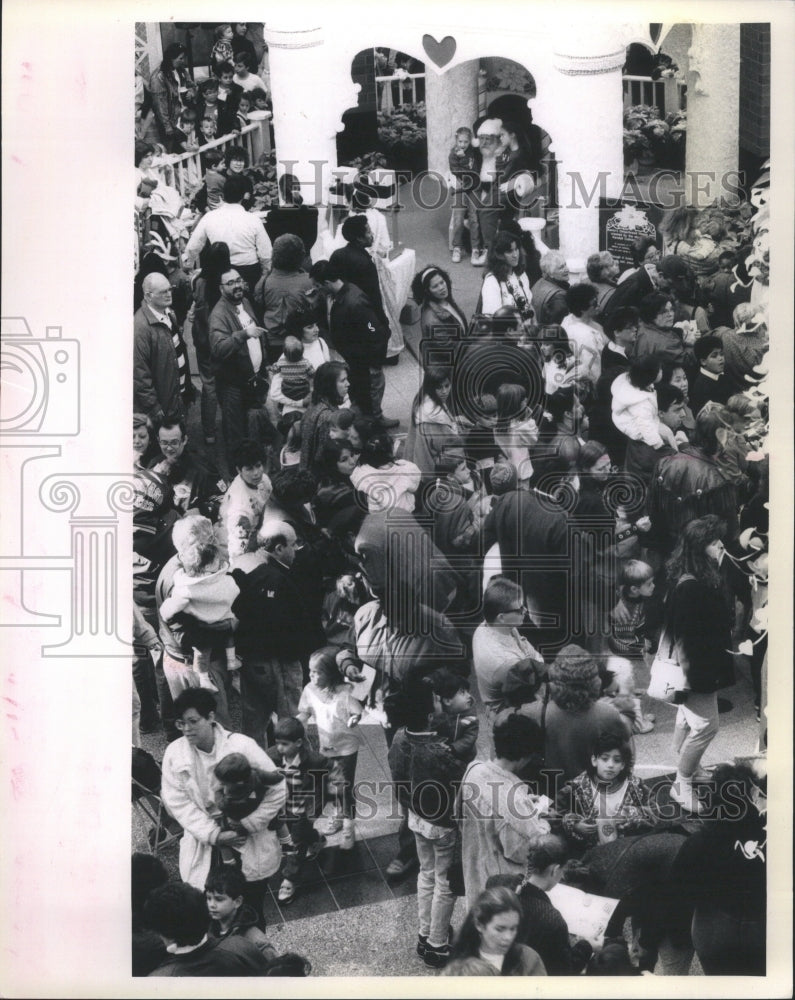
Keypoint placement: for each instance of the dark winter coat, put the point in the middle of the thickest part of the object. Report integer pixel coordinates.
(429, 773)
(357, 332)
(687, 486)
(156, 384)
(274, 620)
(700, 619)
(356, 267)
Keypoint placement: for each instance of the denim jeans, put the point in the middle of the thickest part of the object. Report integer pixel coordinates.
(696, 727)
(435, 900)
(464, 207)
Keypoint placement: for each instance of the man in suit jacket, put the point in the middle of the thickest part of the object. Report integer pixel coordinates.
(355, 265)
(161, 377)
(237, 348)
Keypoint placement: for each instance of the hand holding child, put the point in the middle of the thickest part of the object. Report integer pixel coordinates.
(230, 838)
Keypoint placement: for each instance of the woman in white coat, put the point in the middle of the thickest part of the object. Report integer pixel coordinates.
(189, 789)
(634, 404)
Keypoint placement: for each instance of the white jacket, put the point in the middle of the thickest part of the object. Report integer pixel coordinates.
(188, 792)
(635, 412)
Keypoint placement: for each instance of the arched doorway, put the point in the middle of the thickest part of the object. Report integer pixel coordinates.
(388, 125)
(655, 101)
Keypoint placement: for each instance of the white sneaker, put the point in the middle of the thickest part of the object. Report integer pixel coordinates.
(683, 793)
(478, 258)
(456, 257)
(333, 826)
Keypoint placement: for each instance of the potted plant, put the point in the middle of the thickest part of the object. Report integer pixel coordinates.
(404, 136)
(635, 145)
(641, 133)
(652, 140)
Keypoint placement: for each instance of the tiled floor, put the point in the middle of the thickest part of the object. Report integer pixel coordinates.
(341, 879)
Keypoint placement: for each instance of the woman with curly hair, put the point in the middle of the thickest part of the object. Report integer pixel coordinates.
(571, 714)
(684, 237)
(699, 616)
(505, 281)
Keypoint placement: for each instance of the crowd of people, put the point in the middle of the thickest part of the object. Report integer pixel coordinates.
(581, 495)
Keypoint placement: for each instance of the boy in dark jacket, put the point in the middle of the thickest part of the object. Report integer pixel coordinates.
(457, 722)
(306, 773)
(229, 915)
(178, 913)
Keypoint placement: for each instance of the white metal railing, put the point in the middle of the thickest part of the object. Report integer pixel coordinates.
(397, 90)
(644, 90)
(187, 167)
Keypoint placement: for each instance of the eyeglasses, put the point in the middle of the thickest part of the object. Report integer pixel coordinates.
(231, 284)
(170, 445)
(515, 611)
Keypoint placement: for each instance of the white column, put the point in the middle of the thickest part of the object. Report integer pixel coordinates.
(451, 99)
(587, 133)
(307, 106)
(713, 110)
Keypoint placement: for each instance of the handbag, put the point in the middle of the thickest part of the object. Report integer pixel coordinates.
(667, 675)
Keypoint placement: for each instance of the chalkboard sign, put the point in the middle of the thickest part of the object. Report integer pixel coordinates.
(621, 223)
